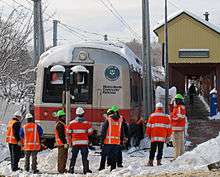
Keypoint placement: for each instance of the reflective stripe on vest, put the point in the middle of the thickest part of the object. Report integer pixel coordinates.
(158, 139)
(80, 142)
(181, 116)
(158, 114)
(78, 131)
(159, 125)
(10, 138)
(177, 128)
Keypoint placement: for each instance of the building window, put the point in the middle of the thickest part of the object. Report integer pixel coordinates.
(194, 53)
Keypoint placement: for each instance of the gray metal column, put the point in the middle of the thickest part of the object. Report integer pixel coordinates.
(55, 22)
(166, 62)
(147, 78)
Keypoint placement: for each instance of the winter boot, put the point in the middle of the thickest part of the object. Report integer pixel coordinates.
(150, 163)
(159, 162)
(36, 171)
(86, 167)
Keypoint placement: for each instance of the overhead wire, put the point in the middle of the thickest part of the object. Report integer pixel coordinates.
(75, 33)
(119, 18)
(115, 10)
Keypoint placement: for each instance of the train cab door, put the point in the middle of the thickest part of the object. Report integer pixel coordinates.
(81, 88)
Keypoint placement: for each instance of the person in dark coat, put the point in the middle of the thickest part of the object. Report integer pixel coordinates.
(61, 141)
(13, 140)
(192, 92)
(112, 147)
(136, 132)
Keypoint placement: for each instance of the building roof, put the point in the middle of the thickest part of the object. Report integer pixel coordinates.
(192, 15)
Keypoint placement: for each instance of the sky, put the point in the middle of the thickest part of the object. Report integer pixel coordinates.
(93, 16)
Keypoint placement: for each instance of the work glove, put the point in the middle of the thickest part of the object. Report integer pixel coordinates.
(19, 143)
(66, 146)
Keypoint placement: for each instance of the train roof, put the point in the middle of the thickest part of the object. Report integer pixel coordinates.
(63, 54)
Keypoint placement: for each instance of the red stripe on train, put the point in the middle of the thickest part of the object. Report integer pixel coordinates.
(92, 115)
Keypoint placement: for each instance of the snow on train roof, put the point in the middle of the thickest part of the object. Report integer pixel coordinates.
(63, 54)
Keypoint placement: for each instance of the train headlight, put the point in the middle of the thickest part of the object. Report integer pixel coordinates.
(83, 55)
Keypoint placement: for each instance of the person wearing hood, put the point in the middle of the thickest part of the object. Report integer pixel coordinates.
(159, 131)
(112, 134)
(79, 131)
(31, 134)
(61, 141)
(13, 140)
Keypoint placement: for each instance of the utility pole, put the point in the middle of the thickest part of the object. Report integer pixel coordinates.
(55, 22)
(39, 47)
(147, 78)
(166, 62)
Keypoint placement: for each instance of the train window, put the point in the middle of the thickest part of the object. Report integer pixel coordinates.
(56, 78)
(80, 86)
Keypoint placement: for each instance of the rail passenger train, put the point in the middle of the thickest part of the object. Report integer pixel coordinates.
(102, 74)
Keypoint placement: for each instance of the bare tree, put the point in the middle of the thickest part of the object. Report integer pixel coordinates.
(16, 70)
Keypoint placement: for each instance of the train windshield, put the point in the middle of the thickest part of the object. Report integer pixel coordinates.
(80, 86)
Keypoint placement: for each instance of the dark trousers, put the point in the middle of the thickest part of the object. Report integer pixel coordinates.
(28, 155)
(112, 152)
(153, 149)
(119, 159)
(84, 152)
(62, 159)
(15, 153)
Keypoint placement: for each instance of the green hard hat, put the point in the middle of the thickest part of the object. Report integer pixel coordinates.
(179, 96)
(114, 108)
(60, 113)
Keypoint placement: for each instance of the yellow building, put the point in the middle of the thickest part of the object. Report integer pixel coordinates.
(194, 50)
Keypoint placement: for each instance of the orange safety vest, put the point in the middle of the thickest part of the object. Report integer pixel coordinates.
(57, 138)
(10, 138)
(158, 126)
(31, 137)
(79, 132)
(114, 131)
(178, 117)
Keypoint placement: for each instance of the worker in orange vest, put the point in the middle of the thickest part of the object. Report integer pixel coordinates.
(13, 140)
(178, 117)
(61, 141)
(112, 135)
(31, 134)
(159, 131)
(79, 131)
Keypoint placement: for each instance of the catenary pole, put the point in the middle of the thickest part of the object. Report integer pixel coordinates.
(147, 78)
(55, 22)
(39, 47)
(166, 62)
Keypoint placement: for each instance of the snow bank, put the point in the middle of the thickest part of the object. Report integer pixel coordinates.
(216, 117)
(134, 163)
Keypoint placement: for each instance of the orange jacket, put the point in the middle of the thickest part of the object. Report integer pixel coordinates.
(10, 138)
(114, 131)
(178, 118)
(79, 131)
(158, 126)
(59, 142)
(31, 138)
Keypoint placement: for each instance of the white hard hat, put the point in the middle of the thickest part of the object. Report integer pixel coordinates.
(18, 113)
(80, 111)
(159, 105)
(28, 116)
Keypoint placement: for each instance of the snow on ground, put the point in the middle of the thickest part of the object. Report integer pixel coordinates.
(216, 117)
(134, 164)
(204, 102)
